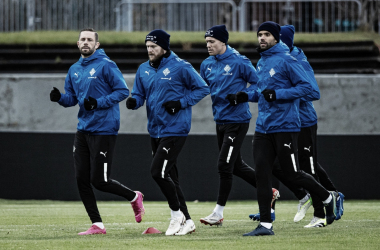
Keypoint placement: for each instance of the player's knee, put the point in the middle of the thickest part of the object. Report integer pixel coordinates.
(98, 184)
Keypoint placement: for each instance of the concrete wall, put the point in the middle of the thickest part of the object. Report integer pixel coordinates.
(349, 104)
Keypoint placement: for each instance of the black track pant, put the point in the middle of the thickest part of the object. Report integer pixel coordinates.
(164, 170)
(324, 179)
(93, 163)
(307, 157)
(266, 147)
(230, 138)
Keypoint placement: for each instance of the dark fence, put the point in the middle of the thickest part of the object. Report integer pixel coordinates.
(40, 166)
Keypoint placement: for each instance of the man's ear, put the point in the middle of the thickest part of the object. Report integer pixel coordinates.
(97, 45)
(78, 44)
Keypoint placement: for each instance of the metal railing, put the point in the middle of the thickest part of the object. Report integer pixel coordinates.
(306, 16)
(187, 15)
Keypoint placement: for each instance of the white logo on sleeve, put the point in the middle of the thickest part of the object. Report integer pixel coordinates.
(103, 154)
(76, 74)
(272, 72)
(286, 145)
(232, 139)
(166, 72)
(209, 69)
(308, 149)
(167, 150)
(147, 72)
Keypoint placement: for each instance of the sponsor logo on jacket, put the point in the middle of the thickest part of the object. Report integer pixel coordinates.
(227, 69)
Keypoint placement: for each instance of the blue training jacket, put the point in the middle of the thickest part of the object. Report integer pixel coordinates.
(279, 71)
(175, 79)
(99, 77)
(226, 74)
(308, 115)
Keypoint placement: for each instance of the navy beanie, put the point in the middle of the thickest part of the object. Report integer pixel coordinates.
(272, 27)
(159, 37)
(218, 32)
(287, 35)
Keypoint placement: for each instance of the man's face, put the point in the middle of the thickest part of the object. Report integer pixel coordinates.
(214, 46)
(87, 44)
(154, 51)
(266, 40)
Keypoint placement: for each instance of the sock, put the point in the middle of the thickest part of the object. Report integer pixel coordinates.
(219, 210)
(135, 198)
(266, 225)
(99, 225)
(272, 210)
(190, 222)
(304, 199)
(327, 200)
(176, 213)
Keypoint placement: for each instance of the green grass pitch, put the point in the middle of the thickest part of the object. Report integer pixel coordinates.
(55, 224)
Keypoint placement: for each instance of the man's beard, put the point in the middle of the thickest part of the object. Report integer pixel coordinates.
(88, 53)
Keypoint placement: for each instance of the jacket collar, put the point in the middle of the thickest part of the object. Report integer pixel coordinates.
(229, 51)
(278, 48)
(97, 54)
(165, 60)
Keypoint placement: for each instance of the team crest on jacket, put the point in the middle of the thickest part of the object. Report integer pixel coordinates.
(227, 69)
(166, 71)
(272, 72)
(92, 72)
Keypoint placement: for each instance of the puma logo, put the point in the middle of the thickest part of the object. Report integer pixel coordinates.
(232, 139)
(167, 150)
(76, 75)
(147, 72)
(92, 106)
(270, 97)
(173, 110)
(209, 69)
(286, 145)
(235, 102)
(308, 149)
(103, 154)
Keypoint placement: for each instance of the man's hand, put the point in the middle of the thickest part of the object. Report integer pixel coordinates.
(55, 95)
(241, 97)
(90, 103)
(131, 103)
(172, 107)
(269, 95)
(232, 99)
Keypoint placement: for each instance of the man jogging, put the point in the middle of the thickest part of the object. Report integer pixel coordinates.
(281, 82)
(96, 84)
(169, 86)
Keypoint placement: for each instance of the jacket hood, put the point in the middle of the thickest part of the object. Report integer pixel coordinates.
(99, 53)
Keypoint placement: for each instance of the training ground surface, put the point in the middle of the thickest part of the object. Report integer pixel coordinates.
(55, 224)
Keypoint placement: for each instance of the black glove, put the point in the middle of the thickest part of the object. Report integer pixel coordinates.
(90, 103)
(55, 95)
(232, 99)
(131, 103)
(241, 97)
(172, 107)
(269, 95)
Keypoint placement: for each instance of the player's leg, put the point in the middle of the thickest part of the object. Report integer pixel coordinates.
(82, 166)
(165, 153)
